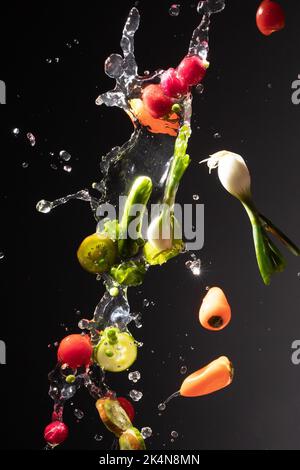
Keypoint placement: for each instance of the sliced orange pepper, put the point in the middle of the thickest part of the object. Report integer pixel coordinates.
(211, 378)
(215, 311)
(168, 126)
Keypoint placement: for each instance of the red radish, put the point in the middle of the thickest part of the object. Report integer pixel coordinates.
(270, 17)
(75, 350)
(156, 102)
(127, 406)
(192, 70)
(56, 433)
(171, 85)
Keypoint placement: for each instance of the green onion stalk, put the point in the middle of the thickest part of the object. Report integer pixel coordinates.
(235, 178)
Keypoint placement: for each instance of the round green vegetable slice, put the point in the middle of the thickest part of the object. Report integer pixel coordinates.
(114, 417)
(132, 439)
(116, 352)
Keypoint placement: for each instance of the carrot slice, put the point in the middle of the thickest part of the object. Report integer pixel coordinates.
(211, 378)
(215, 311)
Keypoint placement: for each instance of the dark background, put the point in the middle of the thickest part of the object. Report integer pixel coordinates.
(247, 100)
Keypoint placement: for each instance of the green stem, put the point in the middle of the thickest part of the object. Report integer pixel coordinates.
(139, 194)
(269, 258)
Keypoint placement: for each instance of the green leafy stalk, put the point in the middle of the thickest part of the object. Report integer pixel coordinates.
(269, 258)
(139, 194)
(179, 165)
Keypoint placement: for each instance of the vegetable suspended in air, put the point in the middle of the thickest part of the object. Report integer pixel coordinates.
(132, 439)
(215, 311)
(116, 351)
(97, 253)
(235, 178)
(113, 415)
(162, 241)
(270, 17)
(75, 350)
(211, 378)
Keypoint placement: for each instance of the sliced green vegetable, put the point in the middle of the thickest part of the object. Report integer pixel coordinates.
(132, 439)
(154, 256)
(113, 416)
(117, 350)
(97, 253)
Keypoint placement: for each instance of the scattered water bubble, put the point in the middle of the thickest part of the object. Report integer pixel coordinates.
(269, 85)
(53, 166)
(174, 434)
(78, 413)
(194, 267)
(183, 370)
(199, 88)
(162, 406)
(98, 437)
(67, 168)
(68, 392)
(31, 139)
(44, 206)
(146, 303)
(114, 66)
(16, 131)
(134, 376)
(64, 155)
(146, 432)
(84, 324)
(196, 197)
(69, 45)
(217, 135)
(135, 395)
(49, 61)
(298, 274)
(2, 255)
(57, 59)
(25, 165)
(174, 9)
(76, 41)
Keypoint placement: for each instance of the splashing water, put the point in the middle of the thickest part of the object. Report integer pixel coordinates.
(153, 138)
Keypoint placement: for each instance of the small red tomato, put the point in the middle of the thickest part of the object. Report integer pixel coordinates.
(192, 70)
(127, 406)
(56, 433)
(156, 102)
(171, 85)
(75, 350)
(270, 17)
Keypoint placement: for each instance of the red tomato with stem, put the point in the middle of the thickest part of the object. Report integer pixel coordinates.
(270, 17)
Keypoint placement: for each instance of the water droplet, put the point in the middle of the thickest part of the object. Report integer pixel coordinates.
(68, 392)
(76, 41)
(194, 267)
(31, 139)
(269, 85)
(69, 45)
(199, 88)
(134, 376)
(114, 66)
(196, 197)
(16, 131)
(183, 370)
(298, 274)
(174, 434)
(146, 432)
(146, 303)
(57, 59)
(67, 168)
(174, 9)
(53, 166)
(162, 406)
(44, 206)
(49, 61)
(78, 413)
(98, 437)
(25, 165)
(64, 155)
(2, 255)
(135, 395)
(84, 324)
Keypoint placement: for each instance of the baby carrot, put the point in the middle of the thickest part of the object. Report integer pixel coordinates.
(215, 311)
(211, 378)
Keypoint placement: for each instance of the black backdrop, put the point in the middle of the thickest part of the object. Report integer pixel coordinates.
(248, 101)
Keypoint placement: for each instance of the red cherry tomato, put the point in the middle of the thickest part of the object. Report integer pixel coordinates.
(75, 350)
(192, 70)
(156, 102)
(171, 85)
(270, 17)
(56, 433)
(127, 406)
